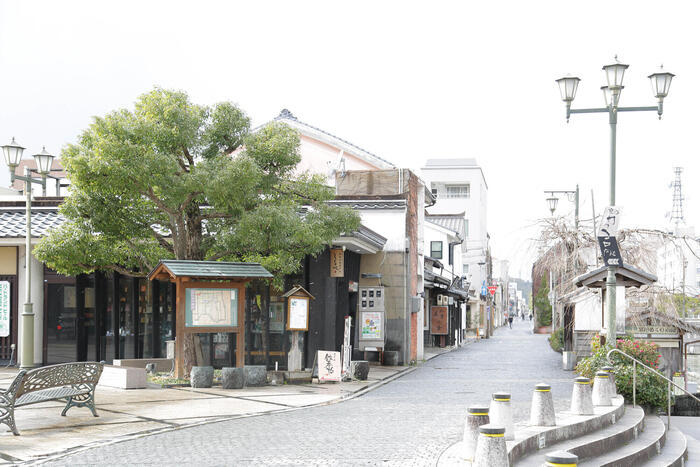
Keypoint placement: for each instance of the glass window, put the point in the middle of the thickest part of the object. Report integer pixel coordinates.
(127, 326)
(167, 316)
(62, 324)
(465, 269)
(436, 250)
(457, 191)
(466, 228)
(145, 319)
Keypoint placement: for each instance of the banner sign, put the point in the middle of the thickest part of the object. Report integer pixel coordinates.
(4, 308)
(438, 320)
(337, 262)
(328, 366)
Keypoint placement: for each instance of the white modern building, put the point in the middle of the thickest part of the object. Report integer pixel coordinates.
(460, 187)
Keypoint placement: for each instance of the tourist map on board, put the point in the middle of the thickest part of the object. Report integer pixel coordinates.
(212, 307)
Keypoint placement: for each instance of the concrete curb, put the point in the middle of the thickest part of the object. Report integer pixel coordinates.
(142, 434)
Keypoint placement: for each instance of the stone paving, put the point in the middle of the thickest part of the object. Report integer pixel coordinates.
(408, 421)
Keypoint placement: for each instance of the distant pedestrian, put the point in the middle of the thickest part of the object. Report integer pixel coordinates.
(510, 321)
(530, 316)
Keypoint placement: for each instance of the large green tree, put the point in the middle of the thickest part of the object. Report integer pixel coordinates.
(173, 179)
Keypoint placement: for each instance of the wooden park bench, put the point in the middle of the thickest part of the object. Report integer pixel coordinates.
(73, 382)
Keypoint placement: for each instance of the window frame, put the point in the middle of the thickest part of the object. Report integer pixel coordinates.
(433, 250)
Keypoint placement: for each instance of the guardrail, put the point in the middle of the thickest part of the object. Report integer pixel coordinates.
(634, 381)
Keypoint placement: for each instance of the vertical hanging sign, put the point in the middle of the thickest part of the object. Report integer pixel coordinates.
(337, 263)
(4, 308)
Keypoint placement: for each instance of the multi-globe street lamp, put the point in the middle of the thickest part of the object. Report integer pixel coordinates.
(614, 73)
(13, 156)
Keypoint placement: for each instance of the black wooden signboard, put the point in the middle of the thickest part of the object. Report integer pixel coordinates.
(610, 251)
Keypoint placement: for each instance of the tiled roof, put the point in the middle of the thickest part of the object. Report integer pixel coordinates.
(212, 269)
(368, 235)
(12, 222)
(370, 204)
(286, 116)
(454, 222)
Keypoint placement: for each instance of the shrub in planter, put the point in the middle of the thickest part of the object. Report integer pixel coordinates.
(651, 390)
(556, 340)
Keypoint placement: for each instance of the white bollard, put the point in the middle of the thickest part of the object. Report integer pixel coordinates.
(582, 397)
(542, 408)
(601, 389)
(491, 447)
(613, 387)
(501, 413)
(477, 415)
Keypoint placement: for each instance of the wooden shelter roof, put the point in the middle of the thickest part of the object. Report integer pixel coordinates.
(170, 269)
(627, 276)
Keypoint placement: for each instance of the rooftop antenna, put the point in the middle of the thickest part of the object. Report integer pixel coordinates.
(677, 212)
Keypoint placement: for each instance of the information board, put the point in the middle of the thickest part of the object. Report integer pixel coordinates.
(4, 308)
(372, 325)
(211, 307)
(298, 314)
(438, 320)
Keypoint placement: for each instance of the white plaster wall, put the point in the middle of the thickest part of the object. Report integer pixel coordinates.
(389, 223)
(587, 317)
(37, 293)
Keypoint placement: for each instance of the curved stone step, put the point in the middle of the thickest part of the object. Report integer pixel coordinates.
(595, 443)
(674, 452)
(647, 445)
(693, 451)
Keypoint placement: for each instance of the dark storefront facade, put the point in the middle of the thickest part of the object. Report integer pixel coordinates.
(109, 316)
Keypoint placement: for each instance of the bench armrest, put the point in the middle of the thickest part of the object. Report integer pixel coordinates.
(11, 392)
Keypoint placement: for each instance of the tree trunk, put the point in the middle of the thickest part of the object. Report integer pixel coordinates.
(189, 247)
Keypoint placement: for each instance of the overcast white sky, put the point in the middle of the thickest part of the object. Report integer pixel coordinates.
(407, 81)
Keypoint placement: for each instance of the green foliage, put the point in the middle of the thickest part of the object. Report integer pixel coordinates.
(173, 179)
(556, 340)
(542, 306)
(651, 390)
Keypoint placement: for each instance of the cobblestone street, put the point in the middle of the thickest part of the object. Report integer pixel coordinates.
(408, 421)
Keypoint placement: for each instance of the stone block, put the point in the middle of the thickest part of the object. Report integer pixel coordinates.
(163, 365)
(359, 369)
(391, 357)
(232, 378)
(255, 375)
(123, 377)
(275, 377)
(202, 376)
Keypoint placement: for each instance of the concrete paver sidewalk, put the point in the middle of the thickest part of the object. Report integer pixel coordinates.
(124, 414)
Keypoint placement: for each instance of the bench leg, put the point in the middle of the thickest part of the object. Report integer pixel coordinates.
(9, 418)
(87, 400)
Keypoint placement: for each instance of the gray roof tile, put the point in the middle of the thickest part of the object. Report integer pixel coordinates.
(12, 222)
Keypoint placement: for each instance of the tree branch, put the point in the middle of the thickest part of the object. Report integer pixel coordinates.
(189, 157)
(215, 215)
(150, 194)
(189, 199)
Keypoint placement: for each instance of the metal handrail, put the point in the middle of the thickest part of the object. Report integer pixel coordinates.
(634, 381)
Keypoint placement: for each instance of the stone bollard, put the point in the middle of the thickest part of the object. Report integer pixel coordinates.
(613, 387)
(582, 397)
(232, 378)
(391, 358)
(542, 408)
(202, 376)
(560, 458)
(491, 447)
(501, 413)
(601, 389)
(477, 415)
(359, 369)
(255, 375)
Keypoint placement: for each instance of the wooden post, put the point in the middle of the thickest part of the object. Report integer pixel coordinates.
(240, 335)
(180, 328)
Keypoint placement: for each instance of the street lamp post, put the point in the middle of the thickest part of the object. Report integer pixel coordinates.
(552, 201)
(13, 155)
(614, 73)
